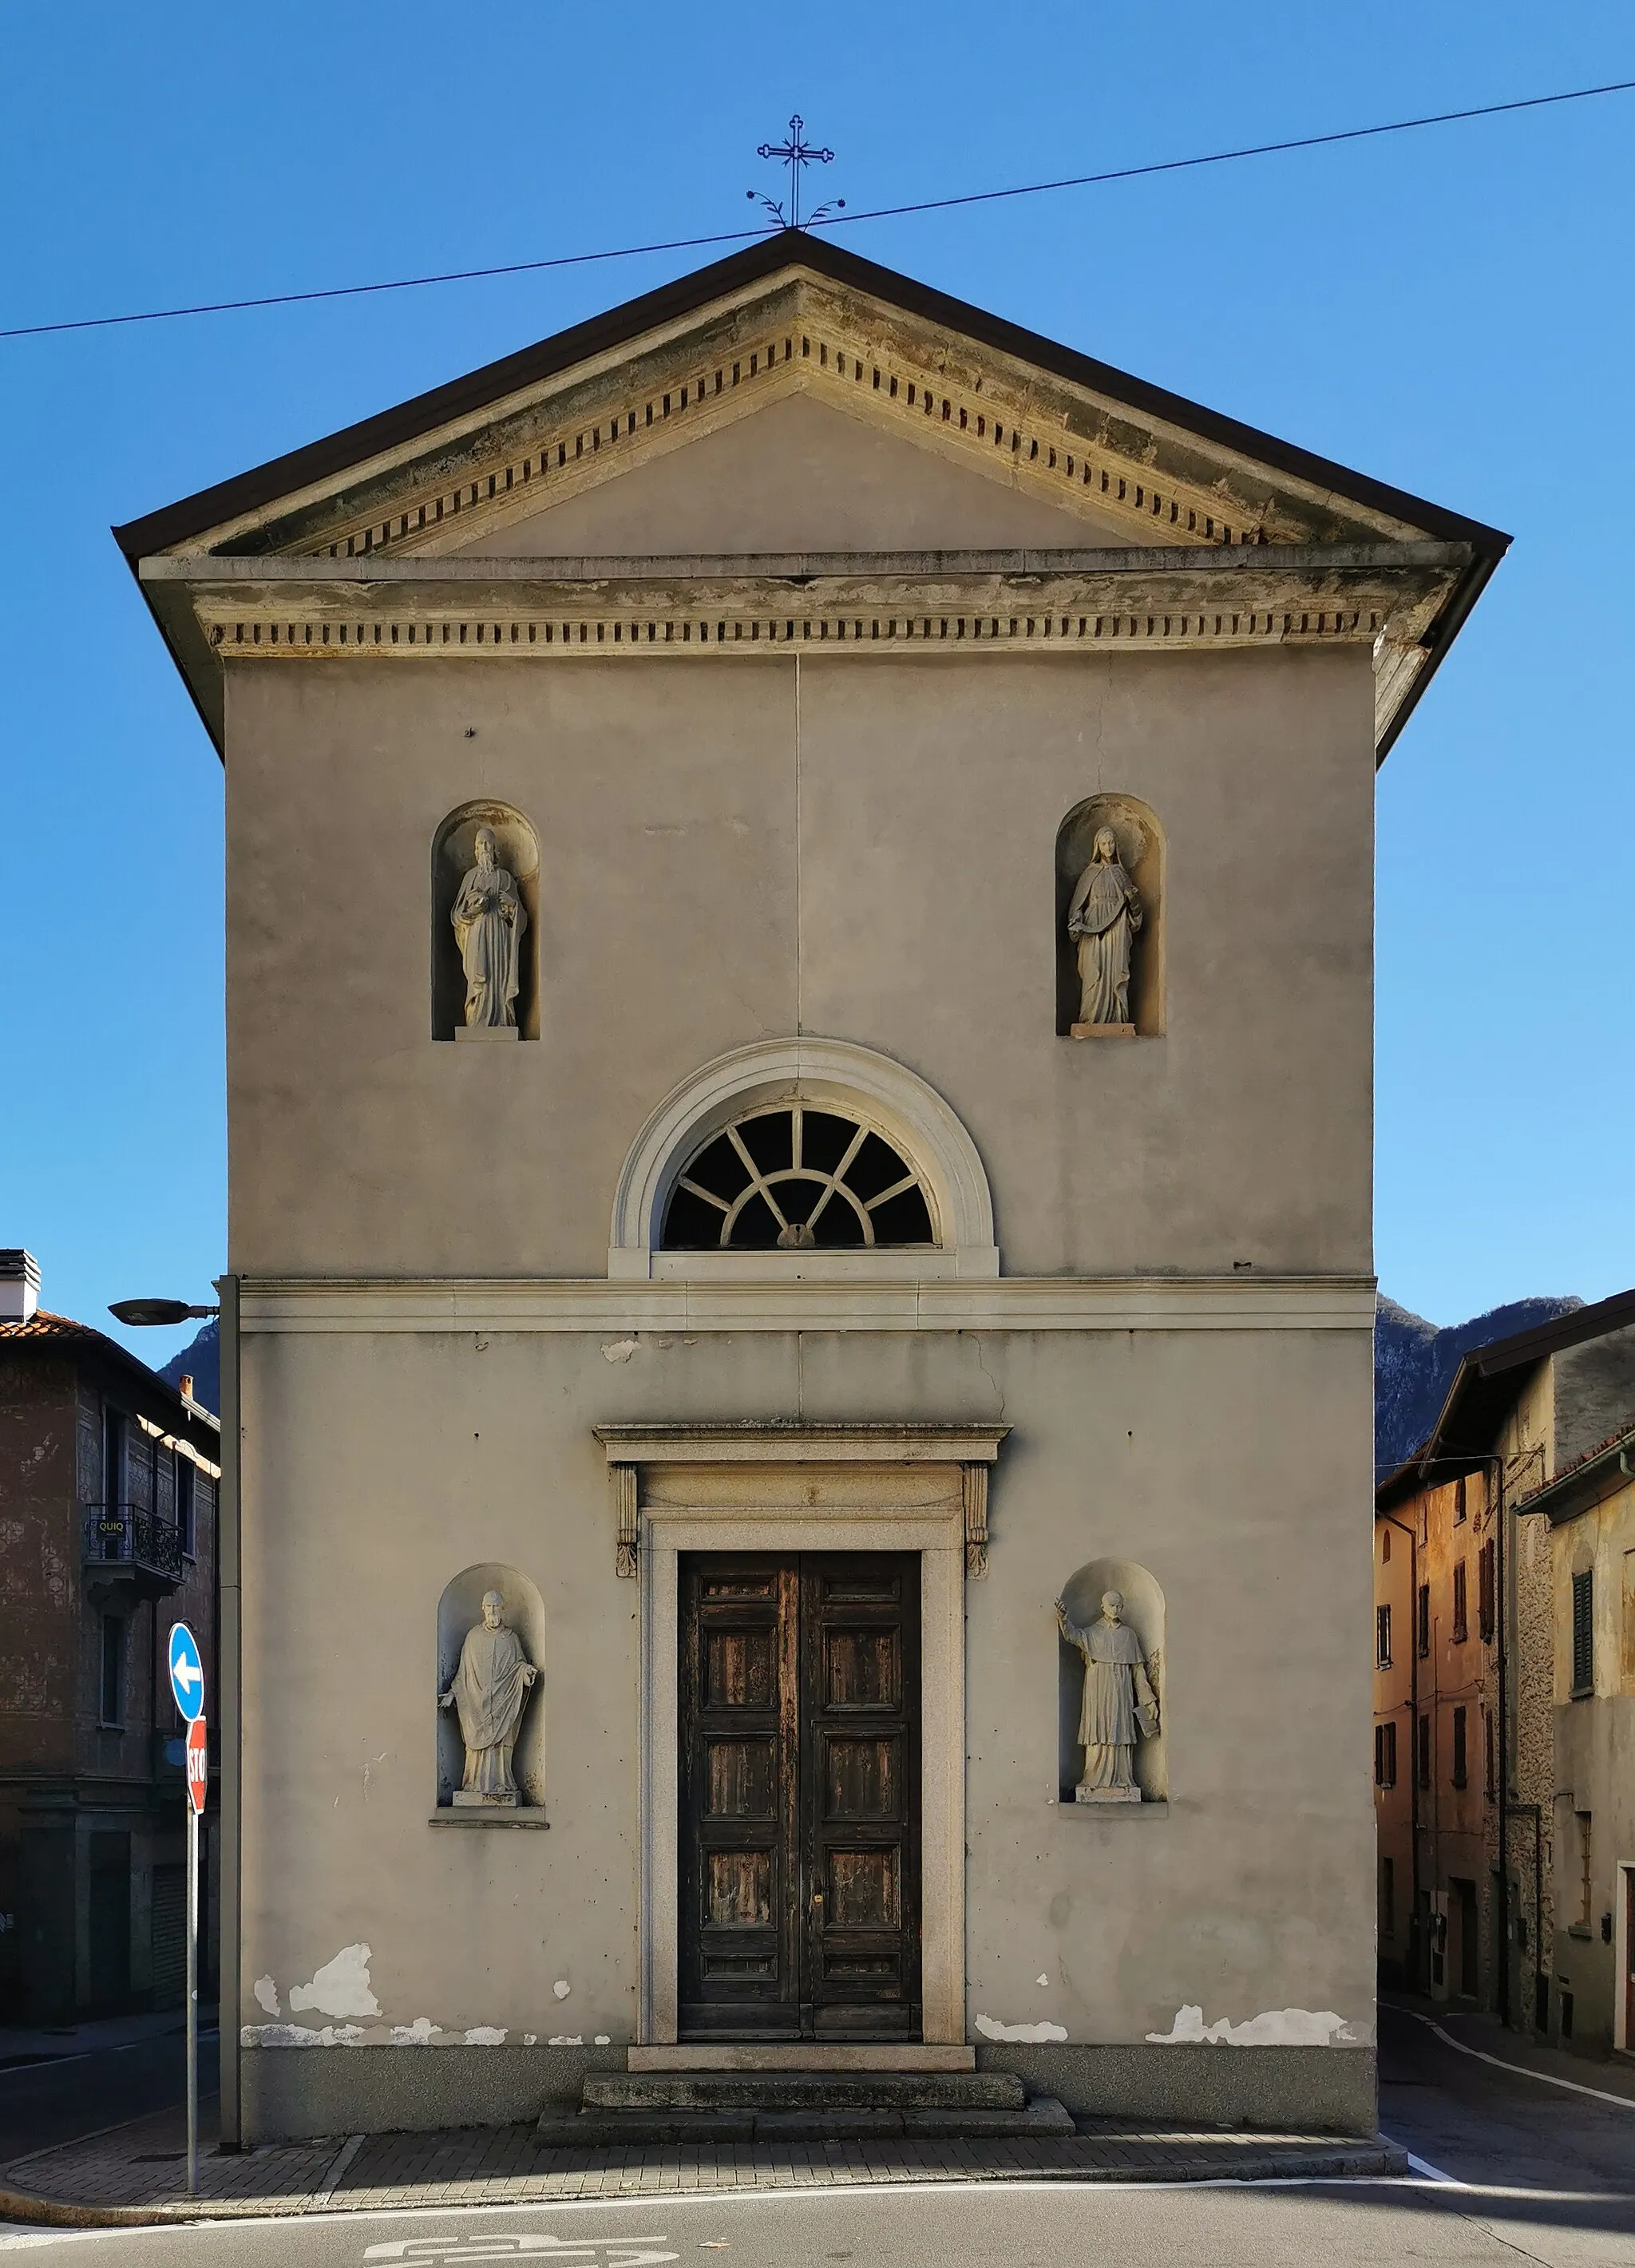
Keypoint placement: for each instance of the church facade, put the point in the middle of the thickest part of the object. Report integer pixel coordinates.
(799, 940)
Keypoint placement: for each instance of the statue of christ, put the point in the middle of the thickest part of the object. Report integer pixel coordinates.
(1102, 918)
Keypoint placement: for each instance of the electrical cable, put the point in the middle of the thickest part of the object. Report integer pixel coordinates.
(836, 220)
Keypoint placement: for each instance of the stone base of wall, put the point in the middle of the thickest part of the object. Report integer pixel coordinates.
(1329, 2090)
(289, 2094)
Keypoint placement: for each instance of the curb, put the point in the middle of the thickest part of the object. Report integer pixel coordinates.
(1358, 2161)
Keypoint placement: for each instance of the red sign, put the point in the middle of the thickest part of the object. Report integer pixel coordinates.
(198, 1764)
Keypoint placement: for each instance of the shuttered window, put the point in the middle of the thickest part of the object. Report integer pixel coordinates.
(1583, 1634)
(1487, 1593)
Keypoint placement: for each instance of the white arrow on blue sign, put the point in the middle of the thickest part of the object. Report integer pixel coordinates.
(187, 1672)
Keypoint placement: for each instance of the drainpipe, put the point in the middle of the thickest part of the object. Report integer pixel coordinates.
(1501, 1621)
(230, 1733)
(1413, 1743)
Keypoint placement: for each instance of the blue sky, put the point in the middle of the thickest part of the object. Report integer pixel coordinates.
(1450, 311)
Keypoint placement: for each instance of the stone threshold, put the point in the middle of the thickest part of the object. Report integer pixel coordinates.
(801, 2055)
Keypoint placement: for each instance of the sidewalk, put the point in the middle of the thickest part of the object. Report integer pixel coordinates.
(135, 2173)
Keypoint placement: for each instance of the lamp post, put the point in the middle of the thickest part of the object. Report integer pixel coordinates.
(139, 1313)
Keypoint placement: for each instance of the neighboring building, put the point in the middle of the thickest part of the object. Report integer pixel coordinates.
(1589, 1510)
(710, 1140)
(1467, 1608)
(107, 1535)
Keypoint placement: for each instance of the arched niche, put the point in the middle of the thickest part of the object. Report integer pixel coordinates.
(460, 1607)
(1140, 840)
(453, 852)
(1143, 1611)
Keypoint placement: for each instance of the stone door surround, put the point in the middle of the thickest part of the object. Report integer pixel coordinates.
(783, 1486)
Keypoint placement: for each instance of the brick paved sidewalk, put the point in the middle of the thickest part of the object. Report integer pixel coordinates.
(137, 2173)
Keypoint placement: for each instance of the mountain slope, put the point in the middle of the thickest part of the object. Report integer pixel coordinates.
(202, 1360)
(1414, 1363)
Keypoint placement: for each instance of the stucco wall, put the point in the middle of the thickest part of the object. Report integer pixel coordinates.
(377, 1466)
(733, 850)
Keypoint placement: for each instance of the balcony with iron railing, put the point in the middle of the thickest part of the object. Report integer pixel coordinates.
(129, 1553)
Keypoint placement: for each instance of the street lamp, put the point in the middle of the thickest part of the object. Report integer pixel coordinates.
(137, 1313)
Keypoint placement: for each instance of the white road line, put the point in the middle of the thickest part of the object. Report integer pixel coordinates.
(1522, 2070)
(1427, 2172)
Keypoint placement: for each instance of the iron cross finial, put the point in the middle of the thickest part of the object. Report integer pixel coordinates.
(795, 153)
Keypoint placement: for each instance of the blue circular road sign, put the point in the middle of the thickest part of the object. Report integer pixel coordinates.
(187, 1672)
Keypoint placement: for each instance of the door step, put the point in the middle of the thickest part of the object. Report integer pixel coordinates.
(804, 2090)
(639, 2109)
(803, 2055)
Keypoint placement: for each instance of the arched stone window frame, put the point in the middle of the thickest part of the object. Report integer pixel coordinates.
(874, 1088)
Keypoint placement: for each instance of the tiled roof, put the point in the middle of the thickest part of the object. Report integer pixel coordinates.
(45, 1329)
(1623, 1437)
(44, 1325)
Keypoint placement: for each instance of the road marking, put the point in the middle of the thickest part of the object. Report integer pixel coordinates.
(622, 2251)
(1427, 2172)
(1522, 2070)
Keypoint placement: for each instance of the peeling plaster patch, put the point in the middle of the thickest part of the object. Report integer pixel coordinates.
(300, 2036)
(604, 2040)
(1042, 1979)
(485, 2035)
(417, 2034)
(341, 1987)
(1273, 2027)
(530, 2039)
(1034, 2035)
(267, 1994)
(619, 1350)
(562, 1988)
(566, 2040)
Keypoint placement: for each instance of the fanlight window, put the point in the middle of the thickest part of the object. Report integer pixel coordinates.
(794, 1179)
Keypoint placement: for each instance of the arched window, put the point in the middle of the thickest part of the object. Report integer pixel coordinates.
(797, 1177)
(805, 1159)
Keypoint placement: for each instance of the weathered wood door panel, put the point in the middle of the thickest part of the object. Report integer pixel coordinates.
(799, 1795)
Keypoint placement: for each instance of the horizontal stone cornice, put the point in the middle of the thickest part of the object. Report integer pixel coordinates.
(781, 1301)
(1379, 595)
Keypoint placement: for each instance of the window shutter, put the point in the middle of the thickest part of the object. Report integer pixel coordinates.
(1487, 1600)
(1584, 1633)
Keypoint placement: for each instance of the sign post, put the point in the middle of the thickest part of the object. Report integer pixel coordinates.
(186, 1683)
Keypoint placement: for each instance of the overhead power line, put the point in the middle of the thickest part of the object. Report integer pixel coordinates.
(836, 220)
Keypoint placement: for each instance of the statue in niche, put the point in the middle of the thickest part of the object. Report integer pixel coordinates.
(1119, 1702)
(490, 918)
(1104, 916)
(488, 1689)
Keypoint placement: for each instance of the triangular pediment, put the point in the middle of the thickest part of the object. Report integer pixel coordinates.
(797, 473)
(795, 401)
(1104, 470)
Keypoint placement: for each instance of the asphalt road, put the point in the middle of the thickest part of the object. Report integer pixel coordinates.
(1513, 2170)
(41, 2103)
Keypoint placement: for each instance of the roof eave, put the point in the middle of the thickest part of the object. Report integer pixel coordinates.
(790, 251)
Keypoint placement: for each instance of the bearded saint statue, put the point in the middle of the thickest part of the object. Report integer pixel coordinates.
(488, 1690)
(1118, 1701)
(1104, 915)
(490, 918)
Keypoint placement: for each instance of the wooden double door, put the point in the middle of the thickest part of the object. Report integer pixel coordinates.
(799, 1795)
